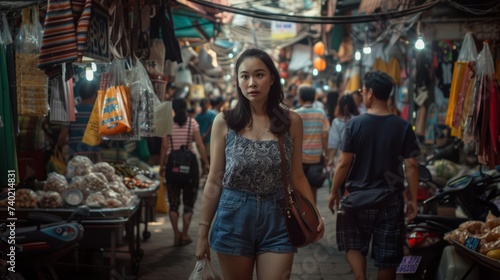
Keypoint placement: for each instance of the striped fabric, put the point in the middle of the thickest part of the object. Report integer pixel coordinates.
(315, 124)
(59, 36)
(65, 32)
(82, 25)
(179, 135)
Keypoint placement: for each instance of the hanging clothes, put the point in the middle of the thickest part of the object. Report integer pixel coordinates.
(8, 164)
(461, 84)
(487, 114)
(392, 68)
(160, 23)
(462, 99)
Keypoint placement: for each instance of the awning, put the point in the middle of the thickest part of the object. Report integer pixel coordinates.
(191, 21)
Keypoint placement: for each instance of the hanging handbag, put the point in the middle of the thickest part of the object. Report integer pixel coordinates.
(300, 215)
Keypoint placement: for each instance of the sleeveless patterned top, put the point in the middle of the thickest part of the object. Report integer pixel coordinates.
(255, 165)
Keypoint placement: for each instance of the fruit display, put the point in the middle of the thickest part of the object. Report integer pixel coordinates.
(487, 232)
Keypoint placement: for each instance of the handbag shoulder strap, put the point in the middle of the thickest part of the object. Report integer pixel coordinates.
(188, 134)
(283, 165)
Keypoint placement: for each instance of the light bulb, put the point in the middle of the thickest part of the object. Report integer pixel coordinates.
(89, 74)
(419, 44)
(367, 49)
(338, 67)
(357, 55)
(315, 72)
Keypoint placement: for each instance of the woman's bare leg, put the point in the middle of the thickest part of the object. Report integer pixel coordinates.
(236, 267)
(274, 266)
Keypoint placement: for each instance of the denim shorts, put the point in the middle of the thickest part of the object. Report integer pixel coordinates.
(248, 224)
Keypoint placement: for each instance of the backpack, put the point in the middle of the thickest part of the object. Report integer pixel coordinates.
(182, 165)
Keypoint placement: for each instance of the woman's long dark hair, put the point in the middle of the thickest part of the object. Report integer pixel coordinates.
(332, 98)
(241, 116)
(347, 107)
(179, 105)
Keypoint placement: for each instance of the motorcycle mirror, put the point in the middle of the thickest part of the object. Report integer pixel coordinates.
(424, 174)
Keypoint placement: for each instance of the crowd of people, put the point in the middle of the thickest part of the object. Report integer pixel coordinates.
(357, 137)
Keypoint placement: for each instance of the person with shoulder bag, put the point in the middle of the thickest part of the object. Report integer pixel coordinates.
(378, 154)
(256, 149)
(180, 168)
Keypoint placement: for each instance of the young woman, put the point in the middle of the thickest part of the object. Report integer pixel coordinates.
(185, 131)
(346, 110)
(244, 188)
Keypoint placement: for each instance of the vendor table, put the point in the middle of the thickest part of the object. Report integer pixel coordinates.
(148, 198)
(478, 258)
(110, 220)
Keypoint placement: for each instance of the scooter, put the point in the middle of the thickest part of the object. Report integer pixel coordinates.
(427, 188)
(425, 234)
(42, 244)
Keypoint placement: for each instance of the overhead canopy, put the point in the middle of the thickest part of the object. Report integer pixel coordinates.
(191, 22)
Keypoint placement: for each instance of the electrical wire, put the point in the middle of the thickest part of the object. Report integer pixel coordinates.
(321, 19)
(477, 12)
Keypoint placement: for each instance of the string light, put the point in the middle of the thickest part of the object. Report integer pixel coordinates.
(89, 73)
(357, 55)
(367, 49)
(338, 67)
(419, 44)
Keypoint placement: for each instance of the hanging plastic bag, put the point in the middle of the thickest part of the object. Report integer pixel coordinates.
(204, 270)
(114, 112)
(142, 85)
(32, 93)
(468, 53)
(164, 121)
(135, 100)
(91, 136)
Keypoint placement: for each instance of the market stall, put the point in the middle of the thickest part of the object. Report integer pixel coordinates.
(116, 195)
(102, 222)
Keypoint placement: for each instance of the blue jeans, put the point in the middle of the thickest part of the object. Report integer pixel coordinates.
(249, 224)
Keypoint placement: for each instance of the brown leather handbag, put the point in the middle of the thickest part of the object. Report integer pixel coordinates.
(300, 215)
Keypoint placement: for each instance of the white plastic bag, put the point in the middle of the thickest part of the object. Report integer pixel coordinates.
(203, 270)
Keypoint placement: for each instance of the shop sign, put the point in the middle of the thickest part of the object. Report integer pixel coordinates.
(283, 30)
(98, 34)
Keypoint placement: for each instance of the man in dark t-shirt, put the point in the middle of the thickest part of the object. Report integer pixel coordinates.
(376, 145)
